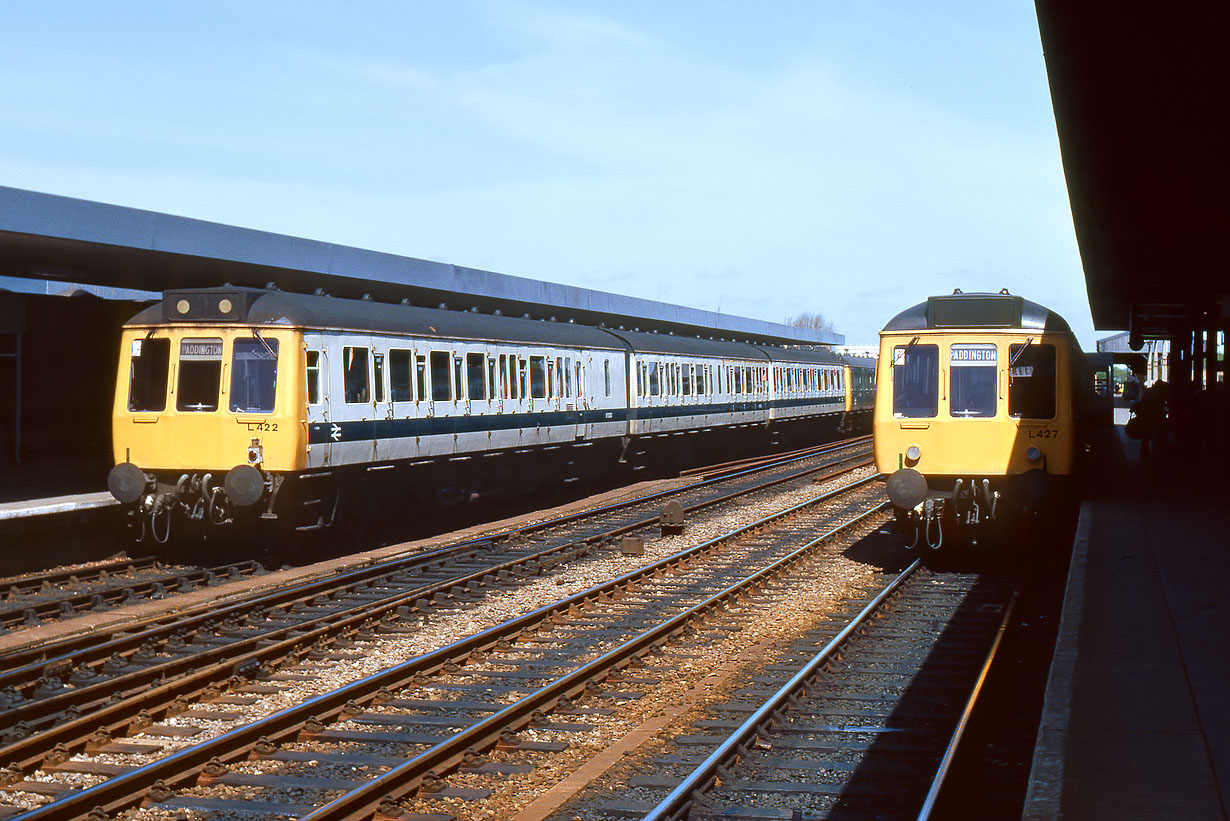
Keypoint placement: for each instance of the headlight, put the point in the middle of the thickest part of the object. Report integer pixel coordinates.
(913, 452)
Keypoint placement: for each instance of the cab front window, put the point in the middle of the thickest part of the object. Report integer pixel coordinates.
(974, 370)
(916, 381)
(200, 375)
(147, 374)
(254, 372)
(1031, 381)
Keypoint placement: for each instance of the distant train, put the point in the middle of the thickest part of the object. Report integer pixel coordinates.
(234, 402)
(980, 403)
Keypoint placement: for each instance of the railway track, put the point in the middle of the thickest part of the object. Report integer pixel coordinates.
(510, 676)
(35, 599)
(56, 699)
(865, 728)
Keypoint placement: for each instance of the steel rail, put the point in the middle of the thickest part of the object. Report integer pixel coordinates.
(364, 801)
(33, 582)
(950, 751)
(779, 458)
(79, 603)
(39, 654)
(677, 803)
(183, 765)
(103, 713)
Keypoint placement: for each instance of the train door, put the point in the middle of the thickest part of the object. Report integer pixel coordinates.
(580, 391)
(318, 412)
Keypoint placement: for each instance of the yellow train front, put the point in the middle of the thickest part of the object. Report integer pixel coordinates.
(209, 411)
(975, 414)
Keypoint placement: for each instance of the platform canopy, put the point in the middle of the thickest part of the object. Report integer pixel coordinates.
(43, 236)
(1140, 94)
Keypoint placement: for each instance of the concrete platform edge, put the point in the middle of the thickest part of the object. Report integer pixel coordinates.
(1042, 800)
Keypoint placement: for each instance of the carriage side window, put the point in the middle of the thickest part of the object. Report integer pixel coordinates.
(354, 375)
(916, 381)
(653, 378)
(200, 375)
(700, 380)
(400, 384)
(1031, 381)
(503, 372)
(420, 374)
(147, 374)
(378, 370)
(254, 375)
(973, 373)
(476, 384)
(440, 388)
(606, 376)
(538, 377)
(687, 379)
(313, 377)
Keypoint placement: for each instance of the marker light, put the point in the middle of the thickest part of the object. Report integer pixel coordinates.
(1032, 454)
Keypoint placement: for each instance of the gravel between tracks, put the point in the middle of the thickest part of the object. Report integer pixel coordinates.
(834, 578)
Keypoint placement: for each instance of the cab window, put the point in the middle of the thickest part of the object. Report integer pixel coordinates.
(200, 375)
(1031, 381)
(916, 381)
(254, 375)
(147, 374)
(973, 373)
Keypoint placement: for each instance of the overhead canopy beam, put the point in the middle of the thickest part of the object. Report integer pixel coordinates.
(51, 237)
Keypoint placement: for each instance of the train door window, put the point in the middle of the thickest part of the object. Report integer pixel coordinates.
(973, 374)
(701, 382)
(580, 379)
(313, 377)
(491, 378)
(401, 386)
(440, 390)
(378, 372)
(916, 380)
(522, 377)
(653, 378)
(420, 374)
(354, 375)
(476, 380)
(687, 379)
(568, 376)
(1031, 381)
(606, 376)
(147, 374)
(551, 378)
(200, 375)
(538, 377)
(254, 374)
(457, 381)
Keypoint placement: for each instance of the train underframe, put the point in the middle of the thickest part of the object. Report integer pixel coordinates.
(158, 503)
(934, 512)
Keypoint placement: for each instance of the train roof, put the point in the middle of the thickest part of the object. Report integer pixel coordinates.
(976, 310)
(261, 307)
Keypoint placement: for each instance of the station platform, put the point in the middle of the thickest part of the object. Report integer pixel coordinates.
(1136, 723)
(75, 503)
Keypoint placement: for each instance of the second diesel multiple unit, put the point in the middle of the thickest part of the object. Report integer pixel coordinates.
(233, 401)
(978, 407)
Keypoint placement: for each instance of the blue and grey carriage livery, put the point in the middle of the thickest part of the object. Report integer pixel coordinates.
(262, 387)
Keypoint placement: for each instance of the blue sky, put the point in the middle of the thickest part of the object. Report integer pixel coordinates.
(760, 159)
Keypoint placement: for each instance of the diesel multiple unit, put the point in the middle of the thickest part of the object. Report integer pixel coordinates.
(233, 401)
(977, 410)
